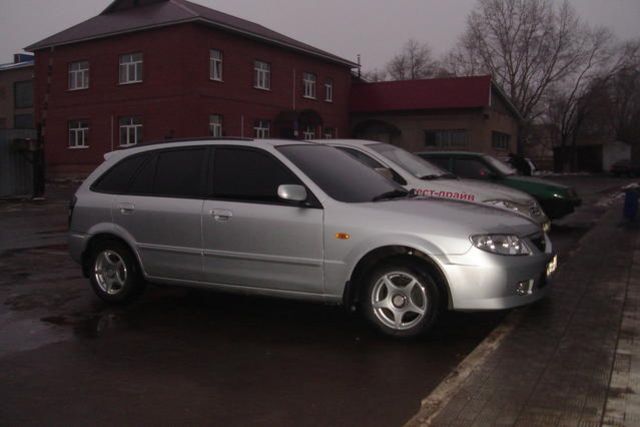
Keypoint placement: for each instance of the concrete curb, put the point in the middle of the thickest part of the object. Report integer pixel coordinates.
(434, 402)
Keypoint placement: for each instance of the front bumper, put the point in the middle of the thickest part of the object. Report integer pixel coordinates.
(479, 280)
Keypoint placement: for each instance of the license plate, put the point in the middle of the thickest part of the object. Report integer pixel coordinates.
(552, 265)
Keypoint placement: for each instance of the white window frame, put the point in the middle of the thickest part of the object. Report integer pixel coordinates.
(262, 75)
(328, 90)
(309, 133)
(79, 75)
(328, 133)
(215, 65)
(309, 84)
(215, 125)
(130, 68)
(262, 129)
(132, 125)
(78, 134)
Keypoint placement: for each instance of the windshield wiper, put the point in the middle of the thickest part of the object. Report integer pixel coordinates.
(431, 177)
(394, 194)
(449, 176)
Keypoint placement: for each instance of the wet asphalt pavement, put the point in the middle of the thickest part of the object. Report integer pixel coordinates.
(180, 356)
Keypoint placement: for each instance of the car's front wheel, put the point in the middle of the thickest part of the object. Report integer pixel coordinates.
(401, 299)
(114, 273)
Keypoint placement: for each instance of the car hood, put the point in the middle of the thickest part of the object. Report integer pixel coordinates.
(527, 180)
(468, 190)
(446, 217)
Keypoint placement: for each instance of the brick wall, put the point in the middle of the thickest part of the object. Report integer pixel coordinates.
(176, 96)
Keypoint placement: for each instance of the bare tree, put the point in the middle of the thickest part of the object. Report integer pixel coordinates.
(623, 89)
(375, 75)
(602, 102)
(415, 61)
(526, 45)
(570, 101)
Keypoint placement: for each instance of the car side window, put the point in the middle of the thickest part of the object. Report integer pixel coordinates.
(249, 175)
(116, 180)
(471, 168)
(180, 173)
(372, 163)
(441, 162)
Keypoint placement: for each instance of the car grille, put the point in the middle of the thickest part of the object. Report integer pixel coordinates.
(539, 242)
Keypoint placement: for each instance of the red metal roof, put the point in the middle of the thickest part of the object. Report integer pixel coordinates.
(430, 94)
(118, 20)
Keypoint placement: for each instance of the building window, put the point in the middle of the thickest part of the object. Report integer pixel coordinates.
(78, 134)
(262, 128)
(23, 121)
(308, 133)
(309, 84)
(130, 131)
(500, 141)
(451, 138)
(131, 68)
(262, 77)
(215, 125)
(79, 75)
(215, 65)
(328, 133)
(23, 94)
(328, 91)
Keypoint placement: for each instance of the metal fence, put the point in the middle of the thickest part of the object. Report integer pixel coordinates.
(16, 167)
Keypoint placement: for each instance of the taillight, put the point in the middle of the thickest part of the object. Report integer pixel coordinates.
(72, 204)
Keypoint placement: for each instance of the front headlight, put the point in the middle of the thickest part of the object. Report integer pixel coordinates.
(507, 204)
(501, 244)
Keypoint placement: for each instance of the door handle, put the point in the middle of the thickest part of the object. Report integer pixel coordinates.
(221, 215)
(126, 208)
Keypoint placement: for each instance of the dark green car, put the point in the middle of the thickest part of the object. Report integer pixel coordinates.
(557, 200)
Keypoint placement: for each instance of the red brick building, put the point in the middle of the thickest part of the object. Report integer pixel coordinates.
(148, 70)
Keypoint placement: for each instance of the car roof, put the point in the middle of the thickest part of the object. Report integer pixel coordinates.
(454, 153)
(351, 142)
(207, 141)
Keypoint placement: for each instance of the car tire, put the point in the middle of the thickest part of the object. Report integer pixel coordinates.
(114, 272)
(401, 299)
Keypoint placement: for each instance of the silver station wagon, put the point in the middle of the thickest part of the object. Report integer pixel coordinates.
(299, 220)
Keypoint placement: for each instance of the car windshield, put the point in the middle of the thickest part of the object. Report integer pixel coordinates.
(413, 164)
(340, 175)
(502, 167)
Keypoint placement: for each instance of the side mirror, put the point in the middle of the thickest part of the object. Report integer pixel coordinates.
(386, 172)
(292, 192)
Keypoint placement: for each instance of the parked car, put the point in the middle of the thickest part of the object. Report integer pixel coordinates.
(625, 168)
(427, 179)
(556, 200)
(299, 220)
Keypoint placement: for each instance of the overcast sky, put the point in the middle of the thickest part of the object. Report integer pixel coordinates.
(375, 29)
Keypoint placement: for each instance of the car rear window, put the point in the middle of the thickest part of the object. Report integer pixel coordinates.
(116, 180)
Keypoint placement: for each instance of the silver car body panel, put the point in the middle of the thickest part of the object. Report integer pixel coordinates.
(295, 251)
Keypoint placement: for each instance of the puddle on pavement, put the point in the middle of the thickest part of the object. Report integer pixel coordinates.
(92, 325)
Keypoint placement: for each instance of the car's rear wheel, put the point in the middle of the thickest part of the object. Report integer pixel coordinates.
(114, 274)
(401, 299)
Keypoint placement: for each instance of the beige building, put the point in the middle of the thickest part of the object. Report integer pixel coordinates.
(16, 94)
(464, 113)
